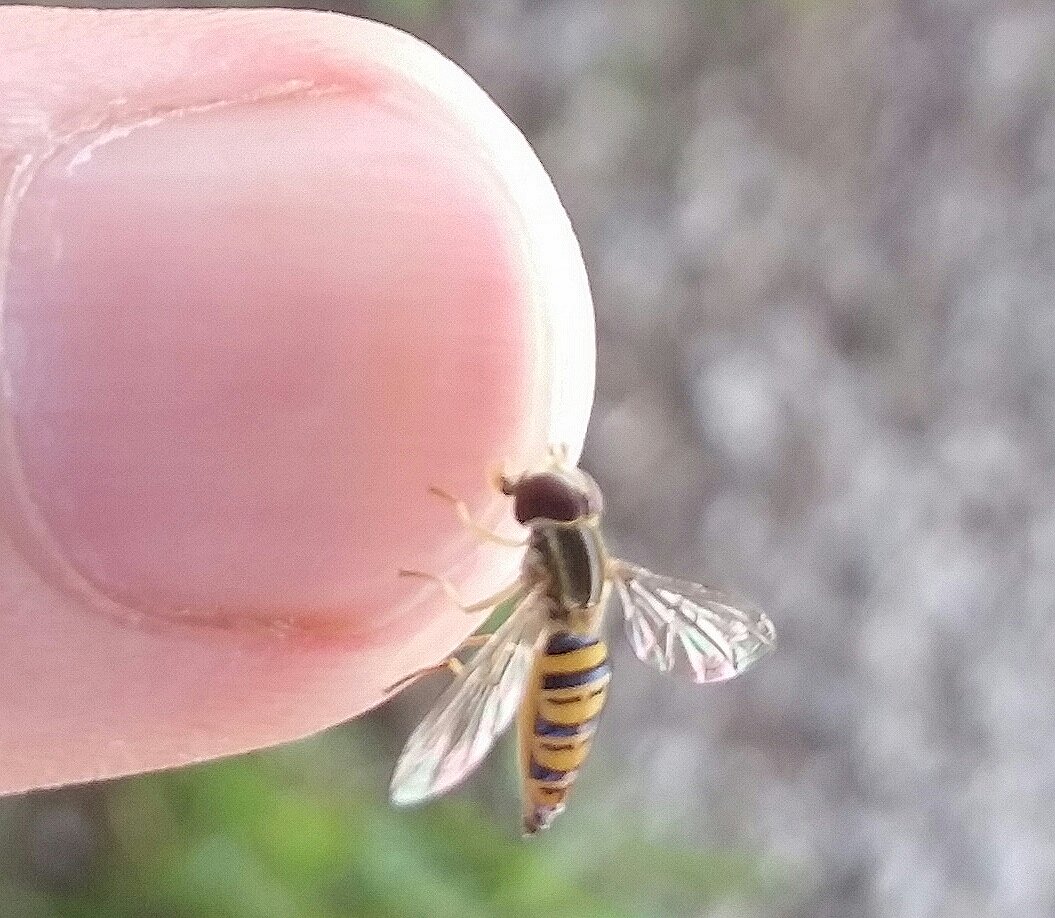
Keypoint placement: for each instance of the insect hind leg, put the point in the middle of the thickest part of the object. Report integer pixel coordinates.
(452, 663)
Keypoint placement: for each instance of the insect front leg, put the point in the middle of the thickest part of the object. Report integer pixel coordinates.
(472, 607)
(472, 525)
(559, 454)
(452, 663)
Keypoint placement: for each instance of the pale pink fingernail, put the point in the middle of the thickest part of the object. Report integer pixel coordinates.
(240, 343)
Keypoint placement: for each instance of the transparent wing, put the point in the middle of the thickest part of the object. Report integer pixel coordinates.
(473, 712)
(685, 628)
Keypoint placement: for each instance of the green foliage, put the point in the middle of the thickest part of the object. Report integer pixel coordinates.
(306, 832)
(501, 612)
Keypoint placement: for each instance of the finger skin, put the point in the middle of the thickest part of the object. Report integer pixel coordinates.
(265, 277)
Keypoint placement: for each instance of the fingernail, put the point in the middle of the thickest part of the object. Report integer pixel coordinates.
(241, 342)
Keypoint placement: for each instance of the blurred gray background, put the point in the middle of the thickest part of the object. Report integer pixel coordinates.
(820, 237)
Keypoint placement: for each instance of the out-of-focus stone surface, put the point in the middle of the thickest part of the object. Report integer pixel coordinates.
(822, 244)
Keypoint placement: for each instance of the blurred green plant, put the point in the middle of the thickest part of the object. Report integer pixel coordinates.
(306, 832)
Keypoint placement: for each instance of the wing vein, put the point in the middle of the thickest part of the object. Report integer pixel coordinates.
(476, 708)
(683, 627)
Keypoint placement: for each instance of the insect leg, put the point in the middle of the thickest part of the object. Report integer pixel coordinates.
(466, 517)
(452, 663)
(500, 478)
(452, 591)
(474, 641)
(558, 454)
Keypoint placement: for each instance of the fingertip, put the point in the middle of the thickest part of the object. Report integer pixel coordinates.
(249, 318)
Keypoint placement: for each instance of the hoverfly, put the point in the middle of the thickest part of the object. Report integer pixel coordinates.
(548, 662)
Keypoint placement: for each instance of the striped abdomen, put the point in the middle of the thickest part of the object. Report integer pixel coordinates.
(569, 688)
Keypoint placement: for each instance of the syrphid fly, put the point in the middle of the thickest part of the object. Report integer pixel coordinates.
(547, 661)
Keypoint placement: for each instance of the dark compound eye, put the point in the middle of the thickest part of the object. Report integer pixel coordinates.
(548, 497)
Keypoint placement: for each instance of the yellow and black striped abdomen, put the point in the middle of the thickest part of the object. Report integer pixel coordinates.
(571, 683)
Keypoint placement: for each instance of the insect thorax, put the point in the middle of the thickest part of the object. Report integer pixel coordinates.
(571, 557)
